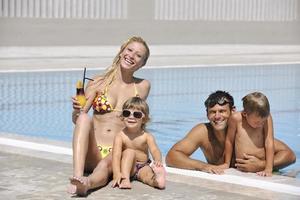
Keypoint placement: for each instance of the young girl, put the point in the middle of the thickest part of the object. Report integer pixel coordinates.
(131, 149)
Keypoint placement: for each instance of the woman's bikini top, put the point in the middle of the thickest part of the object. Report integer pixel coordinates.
(101, 103)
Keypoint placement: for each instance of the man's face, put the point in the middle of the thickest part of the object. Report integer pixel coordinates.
(218, 116)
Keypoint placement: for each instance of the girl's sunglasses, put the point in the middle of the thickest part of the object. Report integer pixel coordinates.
(136, 114)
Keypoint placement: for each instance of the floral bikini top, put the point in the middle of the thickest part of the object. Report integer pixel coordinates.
(101, 103)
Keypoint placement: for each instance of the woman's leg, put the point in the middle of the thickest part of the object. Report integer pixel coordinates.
(83, 143)
(101, 174)
(98, 178)
(86, 158)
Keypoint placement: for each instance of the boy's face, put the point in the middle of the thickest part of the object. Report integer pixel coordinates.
(218, 116)
(254, 120)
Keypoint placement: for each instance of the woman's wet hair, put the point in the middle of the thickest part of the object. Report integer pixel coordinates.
(219, 97)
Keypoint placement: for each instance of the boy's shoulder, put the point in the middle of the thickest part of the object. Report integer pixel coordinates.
(236, 116)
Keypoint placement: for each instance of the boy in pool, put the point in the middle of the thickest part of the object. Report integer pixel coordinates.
(131, 149)
(251, 132)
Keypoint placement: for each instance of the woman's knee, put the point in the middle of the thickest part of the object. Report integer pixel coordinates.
(104, 165)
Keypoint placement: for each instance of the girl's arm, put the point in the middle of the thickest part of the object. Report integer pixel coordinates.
(269, 147)
(116, 160)
(154, 150)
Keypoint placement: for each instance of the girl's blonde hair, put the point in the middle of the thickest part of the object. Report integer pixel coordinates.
(110, 72)
(138, 104)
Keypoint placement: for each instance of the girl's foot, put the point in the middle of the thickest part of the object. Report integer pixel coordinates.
(125, 184)
(160, 176)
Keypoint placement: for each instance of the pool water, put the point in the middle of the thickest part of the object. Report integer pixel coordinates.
(39, 103)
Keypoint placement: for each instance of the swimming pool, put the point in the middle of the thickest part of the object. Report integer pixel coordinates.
(38, 103)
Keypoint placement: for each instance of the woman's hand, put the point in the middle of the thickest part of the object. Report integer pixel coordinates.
(76, 104)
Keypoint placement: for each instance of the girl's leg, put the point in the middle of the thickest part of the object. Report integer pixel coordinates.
(153, 177)
(127, 167)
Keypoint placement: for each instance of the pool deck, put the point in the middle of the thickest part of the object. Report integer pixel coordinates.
(23, 58)
(31, 169)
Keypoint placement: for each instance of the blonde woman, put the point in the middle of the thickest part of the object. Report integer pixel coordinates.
(93, 136)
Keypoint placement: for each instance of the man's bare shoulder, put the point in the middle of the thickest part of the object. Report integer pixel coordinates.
(198, 132)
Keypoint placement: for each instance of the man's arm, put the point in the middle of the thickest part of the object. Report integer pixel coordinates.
(179, 155)
(283, 157)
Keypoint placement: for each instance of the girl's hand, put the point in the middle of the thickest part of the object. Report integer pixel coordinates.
(117, 180)
(158, 163)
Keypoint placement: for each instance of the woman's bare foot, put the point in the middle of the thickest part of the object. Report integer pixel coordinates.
(125, 184)
(160, 176)
(79, 186)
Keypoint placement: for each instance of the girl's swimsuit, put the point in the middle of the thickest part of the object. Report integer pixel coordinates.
(139, 166)
(102, 106)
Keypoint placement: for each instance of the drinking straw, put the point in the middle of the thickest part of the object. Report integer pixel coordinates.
(84, 77)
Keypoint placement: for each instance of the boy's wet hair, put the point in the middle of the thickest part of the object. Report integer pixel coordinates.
(256, 102)
(136, 103)
(219, 97)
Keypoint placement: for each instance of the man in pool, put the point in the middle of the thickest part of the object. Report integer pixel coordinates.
(210, 138)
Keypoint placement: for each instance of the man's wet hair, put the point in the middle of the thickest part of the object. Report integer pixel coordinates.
(219, 97)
